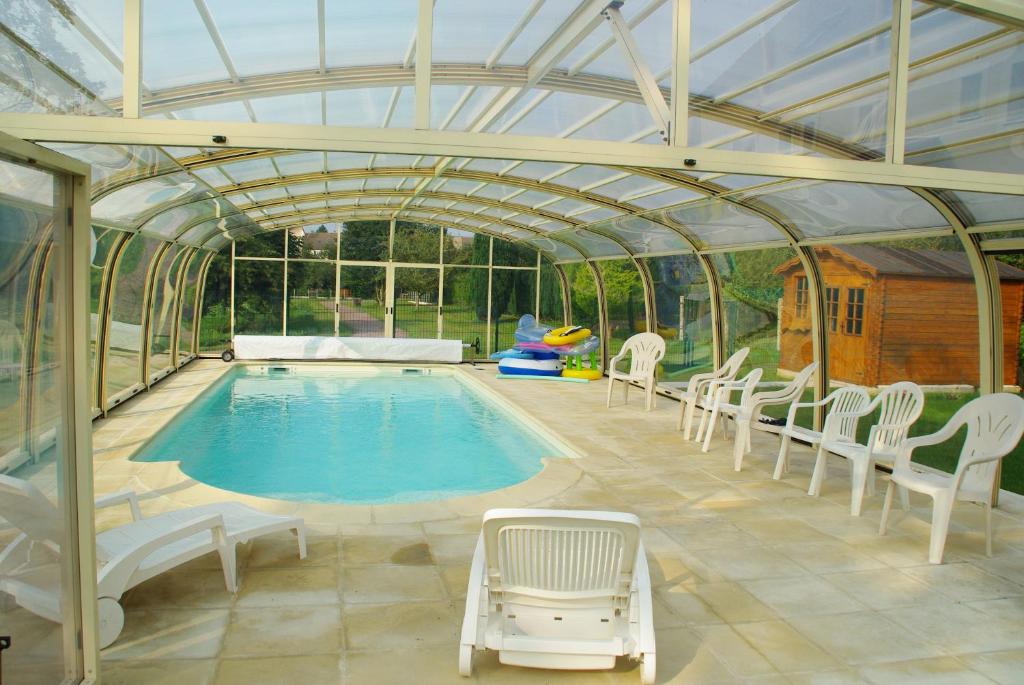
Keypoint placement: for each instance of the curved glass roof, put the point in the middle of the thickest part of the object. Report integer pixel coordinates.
(799, 77)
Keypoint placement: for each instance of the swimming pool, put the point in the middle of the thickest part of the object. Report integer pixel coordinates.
(353, 435)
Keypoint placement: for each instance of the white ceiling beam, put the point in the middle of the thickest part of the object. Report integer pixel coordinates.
(679, 128)
(759, 18)
(998, 10)
(582, 63)
(499, 50)
(321, 32)
(91, 129)
(131, 98)
(645, 80)
(424, 63)
(899, 76)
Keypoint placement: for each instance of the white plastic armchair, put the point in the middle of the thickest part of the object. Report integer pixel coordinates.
(697, 395)
(645, 350)
(748, 416)
(127, 554)
(840, 425)
(900, 405)
(720, 393)
(559, 589)
(994, 424)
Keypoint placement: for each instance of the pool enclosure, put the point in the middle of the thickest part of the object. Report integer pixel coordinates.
(839, 181)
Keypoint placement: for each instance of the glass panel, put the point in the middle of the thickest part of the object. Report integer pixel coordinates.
(361, 301)
(215, 321)
(908, 311)
(132, 204)
(416, 302)
(987, 207)
(268, 244)
(32, 444)
(417, 243)
(463, 247)
(683, 306)
(177, 48)
(512, 254)
(365, 240)
(161, 326)
(104, 240)
(128, 299)
(624, 295)
(319, 241)
(719, 223)
(465, 309)
(583, 297)
(310, 298)
(513, 293)
(752, 302)
(259, 297)
(186, 326)
(643, 235)
(551, 311)
(356, 34)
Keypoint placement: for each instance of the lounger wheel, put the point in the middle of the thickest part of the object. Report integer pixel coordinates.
(466, 660)
(647, 669)
(111, 620)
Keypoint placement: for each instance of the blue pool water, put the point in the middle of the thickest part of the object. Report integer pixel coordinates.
(319, 435)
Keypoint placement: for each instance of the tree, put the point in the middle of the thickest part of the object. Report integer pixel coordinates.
(322, 229)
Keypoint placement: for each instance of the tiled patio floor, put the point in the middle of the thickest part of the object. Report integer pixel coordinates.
(754, 580)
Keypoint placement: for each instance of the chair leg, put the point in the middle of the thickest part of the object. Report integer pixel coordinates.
(625, 392)
(611, 382)
(820, 469)
(739, 445)
(886, 507)
(782, 463)
(905, 498)
(227, 562)
(703, 424)
(942, 509)
(300, 533)
(650, 394)
(858, 484)
(710, 429)
(988, 529)
(685, 417)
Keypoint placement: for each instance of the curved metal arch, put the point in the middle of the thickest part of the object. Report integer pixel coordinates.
(439, 195)
(385, 211)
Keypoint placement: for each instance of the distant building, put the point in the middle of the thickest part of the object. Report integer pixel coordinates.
(897, 314)
(320, 244)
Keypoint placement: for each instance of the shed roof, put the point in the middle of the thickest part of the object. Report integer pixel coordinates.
(905, 261)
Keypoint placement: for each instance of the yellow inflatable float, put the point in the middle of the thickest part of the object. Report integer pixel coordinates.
(566, 335)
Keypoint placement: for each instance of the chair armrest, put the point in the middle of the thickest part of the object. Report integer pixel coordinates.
(128, 496)
(113, 578)
(476, 596)
(615, 360)
(904, 454)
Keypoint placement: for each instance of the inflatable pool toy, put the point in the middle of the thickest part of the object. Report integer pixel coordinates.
(530, 367)
(566, 335)
(528, 330)
(564, 379)
(511, 354)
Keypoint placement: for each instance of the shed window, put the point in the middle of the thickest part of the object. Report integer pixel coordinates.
(801, 296)
(832, 308)
(854, 311)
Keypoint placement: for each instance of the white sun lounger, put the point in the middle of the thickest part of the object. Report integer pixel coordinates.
(559, 589)
(128, 554)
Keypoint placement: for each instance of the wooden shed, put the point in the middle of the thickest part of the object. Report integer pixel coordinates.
(897, 314)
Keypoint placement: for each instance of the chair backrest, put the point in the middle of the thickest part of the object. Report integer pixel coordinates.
(792, 390)
(750, 386)
(900, 404)
(646, 350)
(561, 555)
(994, 424)
(27, 509)
(844, 401)
(732, 365)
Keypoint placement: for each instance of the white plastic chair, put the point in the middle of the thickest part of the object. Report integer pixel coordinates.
(128, 554)
(748, 416)
(559, 589)
(720, 392)
(900, 405)
(696, 394)
(994, 426)
(841, 426)
(645, 350)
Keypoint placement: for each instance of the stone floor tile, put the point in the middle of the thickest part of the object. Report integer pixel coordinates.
(938, 671)
(964, 582)
(958, 628)
(169, 634)
(430, 666)
(289, 587)
(1004, 668)
(377, 584)
(403, 625)
(159, 672)
(789, 596)
(882, 589)
(751, 563)
(281, 631)
(360, 550)
(785, 648)
(864, 638)
(290, 670)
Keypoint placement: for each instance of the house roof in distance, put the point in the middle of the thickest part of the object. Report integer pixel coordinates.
(906, 261)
